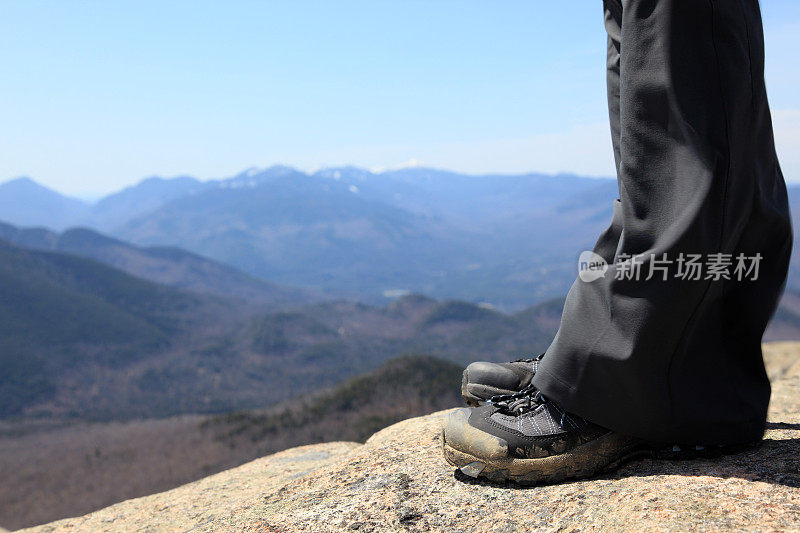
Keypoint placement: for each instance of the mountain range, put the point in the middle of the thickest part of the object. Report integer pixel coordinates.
(506, 240)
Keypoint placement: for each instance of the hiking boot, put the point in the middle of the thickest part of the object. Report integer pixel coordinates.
(528, 439)
(482, 380)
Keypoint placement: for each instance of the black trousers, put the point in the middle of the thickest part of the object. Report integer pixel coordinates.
(679, 359)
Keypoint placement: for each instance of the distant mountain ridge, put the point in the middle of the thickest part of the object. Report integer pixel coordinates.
(359, 234)
(166, 265)
(25, 202)
(510, 240)
(116, 209)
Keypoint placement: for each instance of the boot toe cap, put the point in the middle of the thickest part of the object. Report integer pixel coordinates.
(492, 374)
(459, 434)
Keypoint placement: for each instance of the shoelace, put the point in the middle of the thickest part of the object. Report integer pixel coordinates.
(520, 402)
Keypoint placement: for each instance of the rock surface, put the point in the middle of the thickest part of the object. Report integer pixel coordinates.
(398, 481)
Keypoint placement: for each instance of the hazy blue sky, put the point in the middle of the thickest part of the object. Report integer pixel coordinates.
(97, 95)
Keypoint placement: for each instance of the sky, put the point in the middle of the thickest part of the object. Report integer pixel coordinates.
(97, 95)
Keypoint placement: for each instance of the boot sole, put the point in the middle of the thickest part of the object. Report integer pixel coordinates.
(604, 454)
(587, 460)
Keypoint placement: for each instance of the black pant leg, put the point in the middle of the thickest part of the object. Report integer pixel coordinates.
(679, 360)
